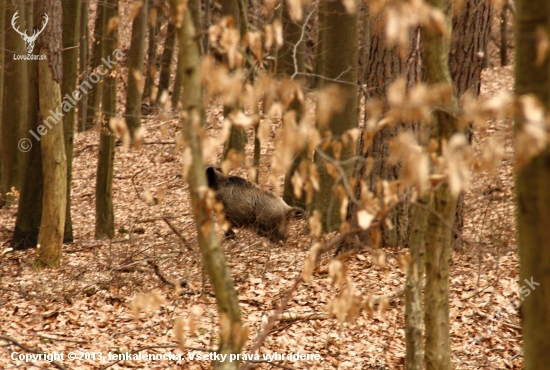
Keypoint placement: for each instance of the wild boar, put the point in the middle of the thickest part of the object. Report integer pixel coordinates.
(246, 205)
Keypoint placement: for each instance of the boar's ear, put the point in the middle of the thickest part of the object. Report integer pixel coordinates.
(212, 178)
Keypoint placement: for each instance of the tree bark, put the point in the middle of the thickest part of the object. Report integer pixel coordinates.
(291, 63)
(54, 161)
(93, 113)
(338, 66)
(2, 48)
(414, 340)
(533, 196)
(136, 57)
(383, 65)
(151, 69)
(84, 51)
(438, 236)
(237, 137)
(232, 335)
(469, 39)
(166, 61)
(105, 218)
(178, 81)
(71, 22)
(29, 212)
(471, 28)
(15, 112)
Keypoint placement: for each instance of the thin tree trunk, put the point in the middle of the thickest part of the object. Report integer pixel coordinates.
(207, 23)
(504, 36)
(105, 218)
(303, 155)
(71, 22)
(532, 190)
(438, 236)
(151, 71)
(291, 63)
(178, 81)
(93, 113)
(54, 161)
(237, 137)
(414, 313)
(136, 57)
(84, 51)
(195, 8)
(166, 61)
(232, 335)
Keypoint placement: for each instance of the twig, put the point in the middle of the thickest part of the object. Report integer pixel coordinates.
(343, 175)
(271, 322)
(31, 350)
(182, 238)
(479, 291)
(163, 278)
(300, 40)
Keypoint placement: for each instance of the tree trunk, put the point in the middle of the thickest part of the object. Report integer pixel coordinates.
(383, 65)
(207, 23)
(166, 61)
(237, 137)
(532, 189)
(15, 112)
(471, 27)
(231, 330)
(105, 218)
(338, 65)
(2, 66)
(93, 113)
(178, 81)
(469, 39)
(414, 312)
(504, 35)
(136, 57)
(71, 22)
(54, 161)
(148, 90)
(438, 236)
(195, 8)
(84, 52)
(29, 212)
(291, 63)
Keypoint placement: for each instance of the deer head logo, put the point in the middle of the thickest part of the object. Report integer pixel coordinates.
(29, 40)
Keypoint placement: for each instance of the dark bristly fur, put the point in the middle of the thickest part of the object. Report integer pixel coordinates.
(246, 205)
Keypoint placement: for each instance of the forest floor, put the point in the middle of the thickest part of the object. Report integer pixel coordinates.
(84, 307)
